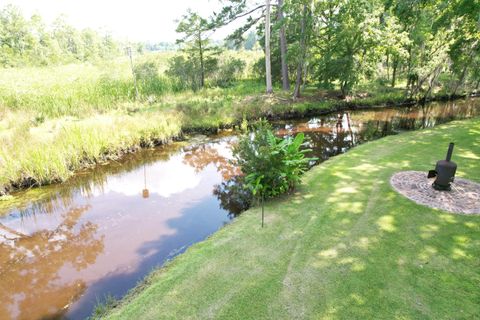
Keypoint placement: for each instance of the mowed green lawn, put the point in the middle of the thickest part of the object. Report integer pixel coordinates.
(344, 246)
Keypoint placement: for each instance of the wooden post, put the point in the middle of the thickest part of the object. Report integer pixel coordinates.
(263, 214)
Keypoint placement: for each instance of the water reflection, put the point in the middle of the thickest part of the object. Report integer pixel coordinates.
(233, 197)
(64, 246)
(218, 154)
(335, 134)
(98, 236)
(31, 263)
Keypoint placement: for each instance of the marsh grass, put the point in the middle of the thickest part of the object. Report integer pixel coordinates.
(53, 151)
(102, 307)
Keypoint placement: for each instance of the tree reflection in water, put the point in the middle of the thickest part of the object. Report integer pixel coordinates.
(230, 192)
(217, 154)
(31, 265)
(233, 197)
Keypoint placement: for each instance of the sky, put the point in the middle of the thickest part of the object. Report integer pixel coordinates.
(137, 20)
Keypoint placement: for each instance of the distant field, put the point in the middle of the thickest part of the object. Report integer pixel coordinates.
(83, 89)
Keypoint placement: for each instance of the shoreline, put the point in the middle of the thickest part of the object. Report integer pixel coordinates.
(8, 191)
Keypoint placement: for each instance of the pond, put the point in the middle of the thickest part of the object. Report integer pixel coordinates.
(65, 247)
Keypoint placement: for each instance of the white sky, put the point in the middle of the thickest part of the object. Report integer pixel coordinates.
(134, 20)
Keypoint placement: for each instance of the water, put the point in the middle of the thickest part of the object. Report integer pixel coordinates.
(64, 247)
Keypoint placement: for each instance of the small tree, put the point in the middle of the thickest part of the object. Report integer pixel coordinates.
(271, 165)
(195, 40)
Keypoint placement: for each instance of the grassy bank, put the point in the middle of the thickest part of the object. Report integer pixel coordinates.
(56, 120)
(344, 246)
(54, 150)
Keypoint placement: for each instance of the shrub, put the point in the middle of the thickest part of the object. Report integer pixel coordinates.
(229, 71)
(271, 165)
(185, 71)
(149, 80)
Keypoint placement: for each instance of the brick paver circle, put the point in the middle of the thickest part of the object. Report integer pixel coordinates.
(464, 197)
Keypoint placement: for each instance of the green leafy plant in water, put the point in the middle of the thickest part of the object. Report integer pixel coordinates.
(271, 165)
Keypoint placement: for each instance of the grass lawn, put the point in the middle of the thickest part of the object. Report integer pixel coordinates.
(344, 246)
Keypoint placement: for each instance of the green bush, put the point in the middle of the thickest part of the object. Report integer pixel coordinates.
(185, 71)
(149, 80)
(271, 165)
(229, 71)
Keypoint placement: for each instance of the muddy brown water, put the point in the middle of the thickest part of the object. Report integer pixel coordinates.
(64, 248)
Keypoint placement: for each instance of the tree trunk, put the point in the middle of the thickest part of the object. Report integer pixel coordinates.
(283, 48)
(202, 66)
(343, 89)
(388, 66)
(298, 82)
(305, 73)
(409, 88)
(394, 72)
(431, 83)
(464, 71)
(460, 81)
(268, 64)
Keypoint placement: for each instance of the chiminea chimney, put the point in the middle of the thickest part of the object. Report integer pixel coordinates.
(446, 170)
(450, 151)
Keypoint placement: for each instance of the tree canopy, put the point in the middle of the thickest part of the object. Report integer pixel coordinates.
(31, 42)
(343, 43)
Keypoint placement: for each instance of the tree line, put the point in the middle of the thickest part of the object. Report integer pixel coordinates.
(419, 46)
(30, 41)
(427, 44)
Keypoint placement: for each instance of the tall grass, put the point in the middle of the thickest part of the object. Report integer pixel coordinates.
(85, 89)
(52, 152)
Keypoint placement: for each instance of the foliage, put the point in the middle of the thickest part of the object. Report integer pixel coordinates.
(423, 46)
(271, 165)
(228, 71)
(149, 79)
(222, 73)
(199, 54)
(250, 41)
(188, 73)
(200, 64)
(31, 42)
(348, 42)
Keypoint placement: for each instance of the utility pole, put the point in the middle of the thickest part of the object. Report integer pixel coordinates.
(129, 52)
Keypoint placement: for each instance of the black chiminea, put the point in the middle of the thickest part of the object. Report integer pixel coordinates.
(445, 170)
